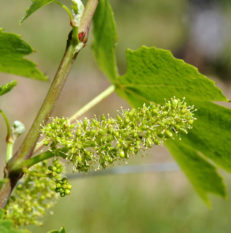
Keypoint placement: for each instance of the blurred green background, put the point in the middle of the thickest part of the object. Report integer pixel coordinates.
(138, 203)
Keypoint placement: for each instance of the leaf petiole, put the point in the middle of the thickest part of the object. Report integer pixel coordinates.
(93, 102)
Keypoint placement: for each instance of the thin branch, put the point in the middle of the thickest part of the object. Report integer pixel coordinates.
(146, 168)
(93, 102)
(66, 9)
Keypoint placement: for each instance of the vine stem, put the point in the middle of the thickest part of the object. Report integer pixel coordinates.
(9, 150)
(86, 19)
(31, 138)
(27, 147)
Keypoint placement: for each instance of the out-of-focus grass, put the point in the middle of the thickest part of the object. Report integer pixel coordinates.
(130, 203)
(138, 204)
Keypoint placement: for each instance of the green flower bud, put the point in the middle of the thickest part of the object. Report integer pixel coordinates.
(94, 143)
(18, 128)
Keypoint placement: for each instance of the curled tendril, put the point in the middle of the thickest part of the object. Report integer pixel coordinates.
(94, 144)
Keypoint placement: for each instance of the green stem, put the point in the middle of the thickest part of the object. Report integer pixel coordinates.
(27, 147)
(9, 151)
(93, 102)
(38, 158)
(9, 133)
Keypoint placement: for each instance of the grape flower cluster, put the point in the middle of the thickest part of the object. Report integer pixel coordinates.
(36, 194)
(63, 187)
(94, 144)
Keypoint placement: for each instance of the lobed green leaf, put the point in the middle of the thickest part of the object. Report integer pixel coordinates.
(5, 88)
(154, 75)
(12, 52)
(201, 173)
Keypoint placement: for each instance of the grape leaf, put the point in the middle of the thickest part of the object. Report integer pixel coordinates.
(211, 134)
(155, 75)
(105, 39)
(201, 173)
(7, 87)
(12, 51)
(36, 4)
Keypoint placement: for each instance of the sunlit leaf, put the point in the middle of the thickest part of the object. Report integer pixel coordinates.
(155, 75)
